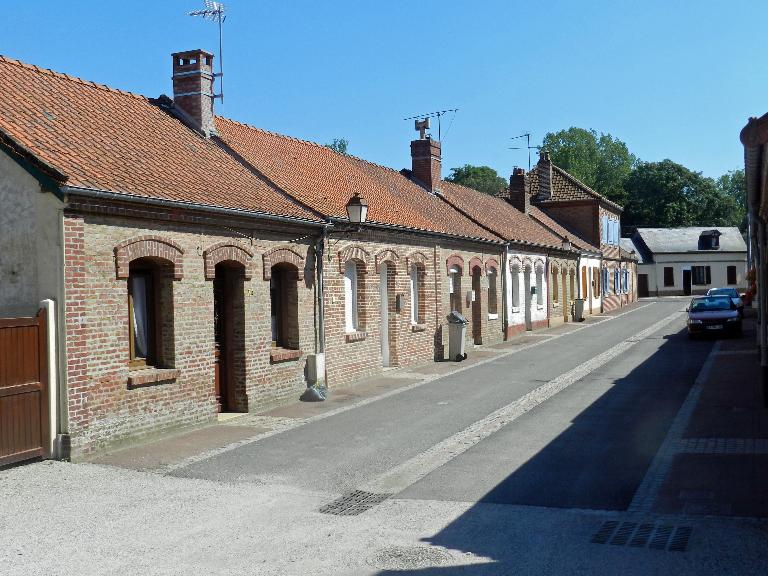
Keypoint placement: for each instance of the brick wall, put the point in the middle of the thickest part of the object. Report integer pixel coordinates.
(350, 357)
(103, 408)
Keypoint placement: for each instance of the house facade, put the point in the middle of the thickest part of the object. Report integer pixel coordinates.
(605, 275)
(691, 260)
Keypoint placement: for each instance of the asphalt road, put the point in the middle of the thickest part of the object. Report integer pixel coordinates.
(586, 447)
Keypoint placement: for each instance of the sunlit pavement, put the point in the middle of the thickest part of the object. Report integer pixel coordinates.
(570, 454)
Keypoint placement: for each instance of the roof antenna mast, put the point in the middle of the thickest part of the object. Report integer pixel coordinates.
(428, 115)
(527, 137)
(214, 11)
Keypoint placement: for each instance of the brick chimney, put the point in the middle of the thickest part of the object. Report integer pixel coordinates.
(193, 87)
(544, 171)
(425, 162)
(518, 191)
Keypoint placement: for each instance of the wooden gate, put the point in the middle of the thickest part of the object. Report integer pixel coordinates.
(23, 389)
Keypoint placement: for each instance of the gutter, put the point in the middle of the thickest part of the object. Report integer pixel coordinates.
(106, 195)
(397, 228)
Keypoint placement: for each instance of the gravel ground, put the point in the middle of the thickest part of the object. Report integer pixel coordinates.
(83, 519)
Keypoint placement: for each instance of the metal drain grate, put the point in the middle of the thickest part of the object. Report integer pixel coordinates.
(656, 537)
(353, 503)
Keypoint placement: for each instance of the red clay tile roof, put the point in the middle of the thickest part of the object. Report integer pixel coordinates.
(106, 139)
(325, 180)
(498, 215)
(551, 224)
(566, 188)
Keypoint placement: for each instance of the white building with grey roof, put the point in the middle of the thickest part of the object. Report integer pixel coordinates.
(691, 260)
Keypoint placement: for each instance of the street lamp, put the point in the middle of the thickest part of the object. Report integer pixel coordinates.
(357, 209)
(566, 243)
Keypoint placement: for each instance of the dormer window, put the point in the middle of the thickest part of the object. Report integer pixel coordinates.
(709, 240)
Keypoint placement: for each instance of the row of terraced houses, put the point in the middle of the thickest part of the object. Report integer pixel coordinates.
(190, 264)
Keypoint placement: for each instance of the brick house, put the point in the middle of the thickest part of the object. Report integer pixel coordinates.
(607, 282)
(415, 252)
(165, 234)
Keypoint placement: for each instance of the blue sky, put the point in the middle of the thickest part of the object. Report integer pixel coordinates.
(673, 79)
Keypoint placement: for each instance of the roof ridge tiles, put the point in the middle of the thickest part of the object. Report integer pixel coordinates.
(65, 76)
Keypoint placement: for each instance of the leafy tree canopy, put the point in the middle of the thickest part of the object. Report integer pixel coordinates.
(338, 145)
(666, 194)
(601, 161)
(481, 178)
(734, 185)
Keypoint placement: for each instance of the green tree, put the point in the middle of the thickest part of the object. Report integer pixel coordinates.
(601, 161)
(338, 145)
(734, 185)
(481, 178)
(666, 194)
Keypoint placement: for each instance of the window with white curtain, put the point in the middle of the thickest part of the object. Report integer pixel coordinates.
(539, 286)
(350, 297)
(515, 287)
(414, 294)
(493, 299)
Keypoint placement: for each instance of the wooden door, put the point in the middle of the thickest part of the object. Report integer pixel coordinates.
(642, 286)
(24, 416)
(477, 309)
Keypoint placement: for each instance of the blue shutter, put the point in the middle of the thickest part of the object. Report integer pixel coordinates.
(604, 230)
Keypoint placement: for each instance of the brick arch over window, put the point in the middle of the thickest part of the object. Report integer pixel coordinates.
(354, 253)
(282, 255)
(475, 261)
(515, 262)
(491, 264)
(223, 251)
(417, 258)
(539, 265)
(454, 260)
(388, 255)
(149, 247)
(527, 264)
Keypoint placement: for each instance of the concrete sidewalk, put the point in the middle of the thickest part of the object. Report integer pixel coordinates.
(166, 452)
(720, 465)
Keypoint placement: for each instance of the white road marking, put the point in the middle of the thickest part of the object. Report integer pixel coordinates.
(295, 423)
(413, 470)
(646, 493)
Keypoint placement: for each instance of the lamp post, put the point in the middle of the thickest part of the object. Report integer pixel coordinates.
(357, 209)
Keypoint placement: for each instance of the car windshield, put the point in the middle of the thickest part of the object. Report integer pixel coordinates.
(709, 304)
(723, 292)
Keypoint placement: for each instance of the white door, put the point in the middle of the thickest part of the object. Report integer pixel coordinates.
(384, 315)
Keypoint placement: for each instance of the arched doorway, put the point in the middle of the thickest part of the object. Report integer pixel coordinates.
(527, 294)
(229, 337)
(477, 308)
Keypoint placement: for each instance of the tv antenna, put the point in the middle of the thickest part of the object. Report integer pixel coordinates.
(527, 146)
(214, 11)
(421, 126)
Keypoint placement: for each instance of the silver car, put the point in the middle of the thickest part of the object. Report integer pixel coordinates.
(732, 293)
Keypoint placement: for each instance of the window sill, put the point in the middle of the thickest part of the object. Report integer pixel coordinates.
(356, 336)
(418, 327)
(283, 355)
(515, 308)
(151, 376)
(539, 306)
(493, 316)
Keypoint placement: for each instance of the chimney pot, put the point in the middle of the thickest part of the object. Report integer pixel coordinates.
(544, 171)
(193, 87)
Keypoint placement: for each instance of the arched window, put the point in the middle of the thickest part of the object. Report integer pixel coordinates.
(284, 300)
(417, 294)
(454, 288)
(555, 288)
(493, 295)
(150, 313)
(539, 285)
(351, 302)
(515, 286)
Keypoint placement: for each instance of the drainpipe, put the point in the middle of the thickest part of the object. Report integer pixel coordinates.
(504, 288)
(761, 284)
(320, 263)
